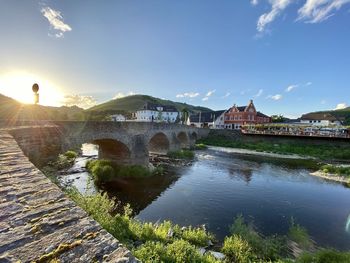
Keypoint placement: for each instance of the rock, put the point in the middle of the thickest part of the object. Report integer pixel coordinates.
(183, 228)
(210, 243)
(217, 255)
(49, 249)
(170, 233)
(202, 250)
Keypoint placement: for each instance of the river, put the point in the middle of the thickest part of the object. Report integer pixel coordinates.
(219, 185)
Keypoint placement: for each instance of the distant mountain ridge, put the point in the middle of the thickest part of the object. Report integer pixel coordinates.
(133, 103)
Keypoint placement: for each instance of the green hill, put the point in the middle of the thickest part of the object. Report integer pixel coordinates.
(12, 110)
(133, 103)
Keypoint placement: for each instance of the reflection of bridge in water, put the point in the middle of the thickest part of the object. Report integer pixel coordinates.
(123, 142)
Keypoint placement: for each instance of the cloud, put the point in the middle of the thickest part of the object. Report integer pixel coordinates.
(308, 83)
(79, 100)
(226, 95)
(56, 21)
(122, 95)
(209, 93)
(254, 2)
(341, 106)
(275, 97)
(316, 11)
(188, 94)
(260, 92)
(291, 87)
(277, 7)
(323, 102)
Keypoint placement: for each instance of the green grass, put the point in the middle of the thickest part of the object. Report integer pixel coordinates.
(163, 242)
(338, 170)
(168, 242)
(319, 151)
(105, 170)
(200, 146)
(182, 154)
(299, 235)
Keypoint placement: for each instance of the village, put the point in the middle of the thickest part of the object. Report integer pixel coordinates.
(246, 119)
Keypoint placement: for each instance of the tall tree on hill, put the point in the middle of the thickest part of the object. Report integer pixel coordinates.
(185, 115)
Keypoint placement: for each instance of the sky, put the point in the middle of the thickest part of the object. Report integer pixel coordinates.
(290, 57)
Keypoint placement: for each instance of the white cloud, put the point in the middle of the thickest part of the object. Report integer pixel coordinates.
(254, 2)
(188, 94)
(56, 21)
(341, 106)
(277, 7)
(122, 95)
(291, 87)
(210, 92)
(275, 97)
(315, 11)
(226, 95)
(308, 83)
(80, 101)
(260, 92)
(205, 98)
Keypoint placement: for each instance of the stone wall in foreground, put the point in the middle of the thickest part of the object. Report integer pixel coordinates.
(39, 223)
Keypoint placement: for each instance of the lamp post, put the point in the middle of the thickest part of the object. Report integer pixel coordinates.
(35, 89)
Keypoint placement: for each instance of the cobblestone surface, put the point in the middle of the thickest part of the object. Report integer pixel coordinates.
(38, 223)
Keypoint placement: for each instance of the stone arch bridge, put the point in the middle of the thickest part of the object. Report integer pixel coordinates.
(123, 142)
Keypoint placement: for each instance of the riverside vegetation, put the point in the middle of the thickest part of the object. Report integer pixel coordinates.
(168, 242)
(323, 152)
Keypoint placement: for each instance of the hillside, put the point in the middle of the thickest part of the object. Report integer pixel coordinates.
(133, 103)
(13, 110)
(343, 114)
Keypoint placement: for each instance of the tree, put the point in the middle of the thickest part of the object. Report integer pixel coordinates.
(185, 115)
(277, 118)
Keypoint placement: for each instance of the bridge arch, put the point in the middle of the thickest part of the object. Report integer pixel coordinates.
(183, 139)
(112, 149)
(194, 136)
(159, 143)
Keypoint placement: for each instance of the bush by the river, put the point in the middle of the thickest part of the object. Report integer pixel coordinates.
(338, 170)
(106, 170)
(318, 151)
(182, 154)
(168, 242)
(200, 146)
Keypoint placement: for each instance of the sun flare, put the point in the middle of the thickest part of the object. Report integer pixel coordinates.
(18, 85)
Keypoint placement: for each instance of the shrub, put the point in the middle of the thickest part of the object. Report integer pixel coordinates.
(182, 154)
(237, 250)
(325, 256)
(197, 236)
(200, 146)
(299, 235)
(182, 251)
(70, 154)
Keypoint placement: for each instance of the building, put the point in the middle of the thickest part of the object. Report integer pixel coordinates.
(158, 113)
(237, 116)
(210, 119)
(118, 117)
(320, 119)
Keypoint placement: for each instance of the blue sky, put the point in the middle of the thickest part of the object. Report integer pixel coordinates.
(291, 57)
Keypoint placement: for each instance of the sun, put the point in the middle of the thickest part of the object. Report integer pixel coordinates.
(18, 85)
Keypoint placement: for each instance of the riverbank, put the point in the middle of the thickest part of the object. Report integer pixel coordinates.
(324, 151)
(332, 177)
(254, 152)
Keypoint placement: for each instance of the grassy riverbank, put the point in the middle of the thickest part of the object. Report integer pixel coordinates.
(167, 242)
(323, 152)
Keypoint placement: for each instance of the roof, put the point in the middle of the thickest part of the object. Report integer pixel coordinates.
(208, 116)
(153, 107)
(260, 114)
(242, 108)
(319, 116)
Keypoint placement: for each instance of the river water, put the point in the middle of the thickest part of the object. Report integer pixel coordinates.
(219, 185)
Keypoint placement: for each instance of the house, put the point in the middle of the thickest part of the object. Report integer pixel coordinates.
(237, 116)
(320, 119)
(118, 117)
(158, 113)
(209, 119)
